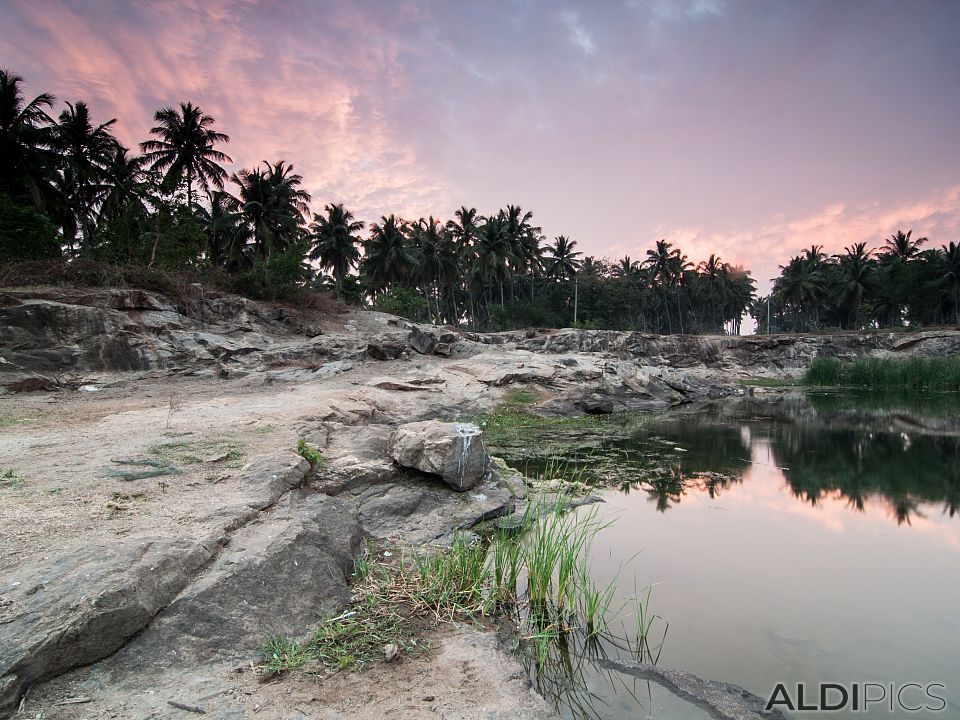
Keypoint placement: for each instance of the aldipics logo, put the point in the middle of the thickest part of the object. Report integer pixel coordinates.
(859, 697)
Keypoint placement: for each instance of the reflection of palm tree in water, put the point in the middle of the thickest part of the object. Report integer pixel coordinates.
(902, 507)
(667, 489)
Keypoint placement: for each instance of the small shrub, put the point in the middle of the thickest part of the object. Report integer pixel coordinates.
(309, 453)
(403, 302)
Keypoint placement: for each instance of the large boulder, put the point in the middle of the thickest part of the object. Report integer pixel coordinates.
(423, 342)
(385, 350)
(454, 451)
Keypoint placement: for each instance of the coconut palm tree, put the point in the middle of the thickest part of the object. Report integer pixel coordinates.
(525, 242)
(336, 242)
(800, 285)
(856, 266)
(493, 257)
(948, 272)
(902, 246)
(666, 265)
(625, 268)
(463, 229)
(227, 232)
(436, 260)
(85, 150)
(274, 206)
(26, 161)
(389, 257)
(564, 261)
(128, 185)
(184, 149)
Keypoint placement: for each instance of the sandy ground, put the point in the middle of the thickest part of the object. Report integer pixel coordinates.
(464, 675)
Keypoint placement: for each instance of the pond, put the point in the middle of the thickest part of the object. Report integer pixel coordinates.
(794, 539)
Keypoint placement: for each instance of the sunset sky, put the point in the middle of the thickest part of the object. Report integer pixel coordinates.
(748, 129)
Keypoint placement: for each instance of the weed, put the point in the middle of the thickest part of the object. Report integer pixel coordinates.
(173, 406)
(517, 400)
(280, 654)
(149, 469)
(309, 453)
(377, 616)
(10, 479)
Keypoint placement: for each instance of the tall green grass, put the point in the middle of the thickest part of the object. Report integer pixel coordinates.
(913, 374)
(537, 575)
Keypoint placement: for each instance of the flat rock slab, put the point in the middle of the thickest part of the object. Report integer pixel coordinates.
(87, 604)
(276, 578)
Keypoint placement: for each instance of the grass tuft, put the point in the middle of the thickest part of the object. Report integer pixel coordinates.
(10, 479)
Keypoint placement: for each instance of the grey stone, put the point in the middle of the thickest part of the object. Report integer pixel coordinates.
(442, 348)
(454, 451)
(385, 350)
(423, 342)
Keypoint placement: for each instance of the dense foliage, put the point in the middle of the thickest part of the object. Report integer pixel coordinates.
(69, 189)
(898, 283)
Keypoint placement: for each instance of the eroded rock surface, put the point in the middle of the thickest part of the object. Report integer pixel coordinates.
(167, 603)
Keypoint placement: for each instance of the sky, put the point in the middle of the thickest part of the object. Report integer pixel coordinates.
(747, 129)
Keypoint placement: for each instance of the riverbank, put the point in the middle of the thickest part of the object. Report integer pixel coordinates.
(157, 519)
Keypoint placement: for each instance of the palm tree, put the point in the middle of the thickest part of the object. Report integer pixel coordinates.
(464, 228)
(564, 261)
(128, 185)
(902, 247)
(948, 272)
(714, 273)
(525, 243)
(666, 266)
(274, 205)
(625, 268)
(856, 266)
(185, 149)
(85, 152)
(336, 242)
(437, 258)
(493, 257)
(799, 285)
(227, 232)
(25, 135)
(388, 257)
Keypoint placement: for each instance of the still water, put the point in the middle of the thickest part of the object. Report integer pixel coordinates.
(801, 539)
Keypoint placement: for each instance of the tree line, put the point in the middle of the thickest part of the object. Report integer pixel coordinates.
(70, 190)
(900, 282)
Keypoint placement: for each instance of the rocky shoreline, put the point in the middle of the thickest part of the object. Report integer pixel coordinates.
(135, 593)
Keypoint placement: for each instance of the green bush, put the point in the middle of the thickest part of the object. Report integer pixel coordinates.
(25, 233)
(279, 277)
(403, 302)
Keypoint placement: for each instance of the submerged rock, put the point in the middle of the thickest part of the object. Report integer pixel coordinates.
(454, 451)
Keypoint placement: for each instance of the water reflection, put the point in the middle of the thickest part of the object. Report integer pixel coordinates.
(816, 584)
(825, 453)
